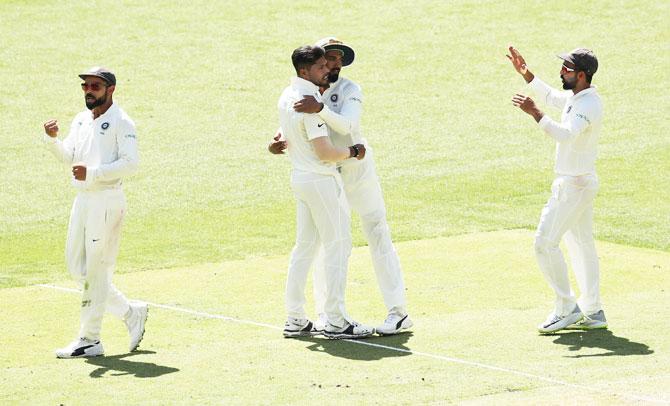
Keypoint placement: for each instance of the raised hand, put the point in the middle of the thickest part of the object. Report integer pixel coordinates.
(527, 104)
(517, 61)
(51, 128)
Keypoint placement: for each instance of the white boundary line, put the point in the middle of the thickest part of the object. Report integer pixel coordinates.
(418, 353)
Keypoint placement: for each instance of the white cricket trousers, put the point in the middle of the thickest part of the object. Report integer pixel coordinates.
(569, 212)
(322, 218)
(364, 194)
(92, 246)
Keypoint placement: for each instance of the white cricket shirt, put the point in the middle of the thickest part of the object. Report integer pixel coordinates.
(577, 134)
(342, 108)
(300, 128)
(107, 146)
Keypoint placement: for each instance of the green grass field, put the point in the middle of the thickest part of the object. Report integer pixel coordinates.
(464, 174)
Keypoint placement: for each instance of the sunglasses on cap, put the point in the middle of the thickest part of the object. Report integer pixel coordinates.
(93, 86)
(567, 69)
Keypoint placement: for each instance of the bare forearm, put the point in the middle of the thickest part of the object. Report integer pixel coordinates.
(333, 154)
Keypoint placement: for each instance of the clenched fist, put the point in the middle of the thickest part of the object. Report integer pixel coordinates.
(51, 128)
(79, 171)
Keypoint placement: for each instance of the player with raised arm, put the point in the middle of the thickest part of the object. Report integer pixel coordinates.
(101, 148)
(569, 211)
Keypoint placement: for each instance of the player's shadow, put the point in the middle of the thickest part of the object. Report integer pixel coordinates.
(121, 366)
(605, 339)
(366, 349)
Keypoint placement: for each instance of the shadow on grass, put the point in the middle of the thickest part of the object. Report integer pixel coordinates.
(605, 339)
(125, 367)
(369, 349)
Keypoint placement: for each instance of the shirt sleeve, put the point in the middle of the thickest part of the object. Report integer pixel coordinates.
(568, 129)
(551, 96)
(128, 156)
(315, 127)
(63, 151)
(349, 117)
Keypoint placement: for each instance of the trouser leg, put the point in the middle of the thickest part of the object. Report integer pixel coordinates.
(117, 303)
(584, 258)
(319, 282)
(306, 244)
(104, 217)
(559, 214)
(365, 196)
(330, 212)
(75, 251)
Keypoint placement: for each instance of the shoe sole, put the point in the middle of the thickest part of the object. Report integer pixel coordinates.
(301, 334)
(336, 336)
(144, 323)
(80, 356)
(582, 327)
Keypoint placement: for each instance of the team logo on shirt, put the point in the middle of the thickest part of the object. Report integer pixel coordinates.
(333, 98)
(105, 125)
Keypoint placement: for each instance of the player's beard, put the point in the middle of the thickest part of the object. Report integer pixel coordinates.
(569, 85)
(97, 102)
(333, 76)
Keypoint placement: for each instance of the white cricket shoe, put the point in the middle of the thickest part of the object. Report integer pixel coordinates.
(394, 323)
(555, 323)
(135, 322)
(81, 348)
(591, 322)
(299, 328)
(348, 330)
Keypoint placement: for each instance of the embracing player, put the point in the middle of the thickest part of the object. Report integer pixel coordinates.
(340, 107)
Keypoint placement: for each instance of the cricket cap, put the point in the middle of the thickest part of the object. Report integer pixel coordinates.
(102, 73)
(332, 43)
(583, 59)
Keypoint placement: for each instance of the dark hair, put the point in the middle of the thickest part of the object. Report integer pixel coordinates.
(306, 56)
(589, 76)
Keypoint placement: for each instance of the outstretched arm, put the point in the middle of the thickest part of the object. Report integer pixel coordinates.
(550, 95)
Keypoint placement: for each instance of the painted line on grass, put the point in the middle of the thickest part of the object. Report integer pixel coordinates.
(179, 309)
(386, 347)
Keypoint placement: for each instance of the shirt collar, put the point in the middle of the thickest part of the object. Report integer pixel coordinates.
(333, 85)
(111, 111)
(587, 91)
(303, 84)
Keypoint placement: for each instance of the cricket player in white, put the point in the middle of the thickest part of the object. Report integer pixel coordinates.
(102, 149)
(340, 106)
(322, 211)
(569, 211)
